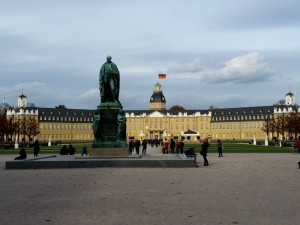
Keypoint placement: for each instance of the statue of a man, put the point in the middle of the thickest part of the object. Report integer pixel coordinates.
(121, 126)
(109, 81)
(96, 124)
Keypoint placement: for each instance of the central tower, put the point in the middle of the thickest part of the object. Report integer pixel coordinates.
(157, 100)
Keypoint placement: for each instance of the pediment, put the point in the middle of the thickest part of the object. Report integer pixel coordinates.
(156, 114)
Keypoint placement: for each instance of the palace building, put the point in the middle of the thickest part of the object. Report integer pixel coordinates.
(226, 124)
(56, 124)
(62, 124)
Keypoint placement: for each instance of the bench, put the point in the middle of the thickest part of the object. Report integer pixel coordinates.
(192, 156)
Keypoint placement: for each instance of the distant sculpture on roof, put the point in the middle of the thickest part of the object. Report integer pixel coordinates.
(109, 81)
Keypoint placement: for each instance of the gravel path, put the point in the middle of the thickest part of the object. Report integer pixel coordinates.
(236, 189)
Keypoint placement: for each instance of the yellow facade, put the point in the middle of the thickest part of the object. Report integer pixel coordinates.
(61, 124)
(65, 124)
(66, 131)
(164, 124)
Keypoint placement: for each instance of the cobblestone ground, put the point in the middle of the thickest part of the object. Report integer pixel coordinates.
(236, 189)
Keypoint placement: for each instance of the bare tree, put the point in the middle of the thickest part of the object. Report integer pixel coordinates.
(266, 126)
(32, 128)
(18, 128)
(11, 127)
(23, 127)
(280, 102)
(279, 125)
(177, 108)
(3, 124)
(292, 125)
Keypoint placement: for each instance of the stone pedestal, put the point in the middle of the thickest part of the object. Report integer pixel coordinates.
(108, 152)
(107, 141)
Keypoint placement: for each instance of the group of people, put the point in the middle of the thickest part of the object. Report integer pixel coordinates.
(167, 146)
(22, 152)
(71, 150)
(36, 149)
(173, 147)
(67, 151)
(136, 144)
(204, 150)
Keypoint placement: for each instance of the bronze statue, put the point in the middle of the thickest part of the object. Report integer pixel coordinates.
(121, 136)
(96, 124)
(109, 124)
(109, 81)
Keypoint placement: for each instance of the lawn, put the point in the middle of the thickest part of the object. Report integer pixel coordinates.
(229, 147)
(47, 150)
(236, 147)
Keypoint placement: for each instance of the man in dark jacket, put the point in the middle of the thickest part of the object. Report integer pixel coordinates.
(204, 151)
(36, 148)
(172, 146)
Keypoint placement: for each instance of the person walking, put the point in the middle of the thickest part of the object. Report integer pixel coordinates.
(204, 151)
(298, 148)
(166, 147)
(177, 146)
(220, 148)
(172, 146)
(84, 150)
(181, 145)
(131, 146)
(36, 148)
(137, 145)
(144, 144)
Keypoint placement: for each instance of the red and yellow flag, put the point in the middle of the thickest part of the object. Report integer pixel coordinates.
(162, 76)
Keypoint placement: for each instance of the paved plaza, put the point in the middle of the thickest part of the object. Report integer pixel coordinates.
(236, 189)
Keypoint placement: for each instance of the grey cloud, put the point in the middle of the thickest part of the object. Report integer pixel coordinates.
(251, 67)
(190, 67)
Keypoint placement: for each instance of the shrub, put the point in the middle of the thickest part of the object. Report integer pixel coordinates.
(8, 146)
(271, 143)
(44, 144)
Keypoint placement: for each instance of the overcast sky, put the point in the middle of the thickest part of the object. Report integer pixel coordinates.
(233, 53)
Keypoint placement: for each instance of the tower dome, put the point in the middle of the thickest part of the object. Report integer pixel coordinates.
(157, 100)
(22, 101)
(290, 98)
